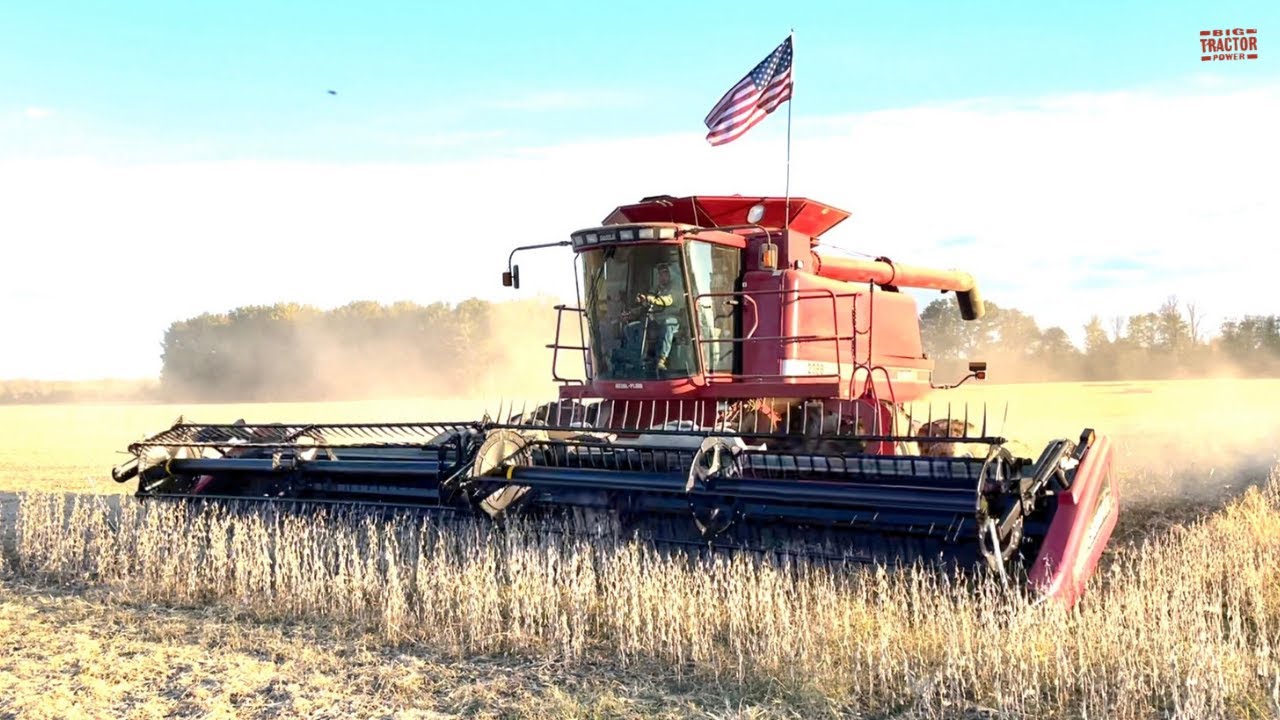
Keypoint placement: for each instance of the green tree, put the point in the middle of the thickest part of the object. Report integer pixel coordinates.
(1098, 361)
(1096, 341)
(1173, 332)
(943, 332)
(1055, 342)
(1142, 330)
(1015, 333)
(1253, 342)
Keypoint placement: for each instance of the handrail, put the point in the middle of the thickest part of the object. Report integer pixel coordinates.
(798, 296)
(556, 347)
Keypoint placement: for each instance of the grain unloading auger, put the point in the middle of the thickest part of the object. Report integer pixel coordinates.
(740, 390)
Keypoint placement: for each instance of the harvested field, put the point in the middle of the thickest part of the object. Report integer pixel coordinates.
(169, 611)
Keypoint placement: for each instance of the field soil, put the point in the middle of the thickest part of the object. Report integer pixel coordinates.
(70, 653)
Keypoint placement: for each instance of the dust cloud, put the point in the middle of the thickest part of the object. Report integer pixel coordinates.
(500, 352)
(1012, 368)
(505, 356)
(1182, 448)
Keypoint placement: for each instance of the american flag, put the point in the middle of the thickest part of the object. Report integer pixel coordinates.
(756, 95)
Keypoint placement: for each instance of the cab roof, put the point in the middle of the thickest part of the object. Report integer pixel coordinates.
(808, 217)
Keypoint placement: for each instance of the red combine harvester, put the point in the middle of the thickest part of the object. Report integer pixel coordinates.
(742, 390)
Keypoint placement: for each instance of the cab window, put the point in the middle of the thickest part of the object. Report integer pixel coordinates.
(636, 297)
(714, 270)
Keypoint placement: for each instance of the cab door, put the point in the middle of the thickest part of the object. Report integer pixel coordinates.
(715, 272)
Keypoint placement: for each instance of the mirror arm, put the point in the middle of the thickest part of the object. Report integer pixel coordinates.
(977, 370)
(510, 273)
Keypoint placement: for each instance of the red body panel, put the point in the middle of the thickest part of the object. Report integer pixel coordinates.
(797, 317)
(832, 329)
(799, 341)
(799, 324)
(1080, 529)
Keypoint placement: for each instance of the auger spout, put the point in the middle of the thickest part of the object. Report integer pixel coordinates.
(883, 271)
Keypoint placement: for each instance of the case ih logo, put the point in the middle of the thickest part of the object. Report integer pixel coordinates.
(1233, 44)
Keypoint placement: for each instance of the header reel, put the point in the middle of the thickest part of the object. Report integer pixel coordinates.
(675, 484)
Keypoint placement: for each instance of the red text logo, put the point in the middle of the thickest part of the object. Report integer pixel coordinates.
(1229, 44)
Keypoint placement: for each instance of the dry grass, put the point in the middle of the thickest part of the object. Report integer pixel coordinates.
(1185, 625)
(251, 613)
(66, 655)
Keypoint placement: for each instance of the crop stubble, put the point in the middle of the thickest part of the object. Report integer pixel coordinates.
(1183, 620)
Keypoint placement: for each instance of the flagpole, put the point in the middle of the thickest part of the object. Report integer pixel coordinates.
(787, 223)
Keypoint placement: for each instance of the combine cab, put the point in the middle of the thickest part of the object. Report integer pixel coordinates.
(740, 390)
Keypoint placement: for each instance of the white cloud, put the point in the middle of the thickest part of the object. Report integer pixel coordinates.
(37, 113)
(1048, 190)
(456, 139)
(548, 100)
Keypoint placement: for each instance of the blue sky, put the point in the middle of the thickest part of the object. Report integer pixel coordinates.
(124, 127)
(225, 80)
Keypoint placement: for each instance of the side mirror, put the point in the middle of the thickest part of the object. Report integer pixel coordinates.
(978, 370)
(511, 278)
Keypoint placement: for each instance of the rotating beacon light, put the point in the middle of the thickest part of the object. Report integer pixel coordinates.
(768, 251)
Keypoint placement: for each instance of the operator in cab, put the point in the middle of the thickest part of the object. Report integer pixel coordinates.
(660, 312)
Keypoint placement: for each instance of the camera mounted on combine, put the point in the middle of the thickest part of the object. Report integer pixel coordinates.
(737, 389)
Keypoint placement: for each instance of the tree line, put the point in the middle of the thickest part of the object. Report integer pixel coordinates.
(364, 349)
(42, 392)
(1167, 343)
(288, 351)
